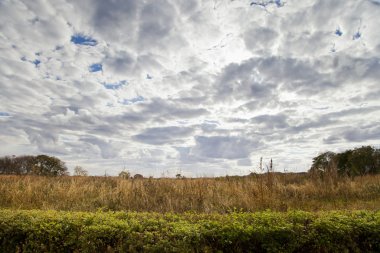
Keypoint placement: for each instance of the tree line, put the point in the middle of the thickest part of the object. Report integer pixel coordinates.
(352, 162)
(41, 165)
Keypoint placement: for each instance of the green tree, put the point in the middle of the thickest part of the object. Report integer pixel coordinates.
(323, 162)
(356, 162)
(44, 165)
(363, 160)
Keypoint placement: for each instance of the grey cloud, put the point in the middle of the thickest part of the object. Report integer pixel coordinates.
(362, 134)
(357, 68)
(225, 147)
(209, 126)
(46, 140)
(120, 63)
(308, 77)
(366, 133)
(157, 20)
(107, 149)
(163, 135)
(166, 109)
(114, 20)
(242, 82)
(187, 7)
(260, 79)
(376, 2)
(244, 162)
(295, 74)
(333, 118)
(260, 38)
(271, 121)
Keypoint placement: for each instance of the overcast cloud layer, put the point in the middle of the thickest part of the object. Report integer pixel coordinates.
(202, 88)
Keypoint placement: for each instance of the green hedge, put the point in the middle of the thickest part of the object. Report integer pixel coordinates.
(55, 231)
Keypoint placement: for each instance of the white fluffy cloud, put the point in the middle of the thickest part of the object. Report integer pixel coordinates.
(201, 87)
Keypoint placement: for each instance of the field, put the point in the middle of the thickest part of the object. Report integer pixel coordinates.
(276, 192)
(258, 213)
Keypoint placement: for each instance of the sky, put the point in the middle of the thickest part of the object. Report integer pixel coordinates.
(200, 88)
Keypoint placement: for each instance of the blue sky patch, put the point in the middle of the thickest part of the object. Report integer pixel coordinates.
(96, 67)
(36, 62)
(115, 86)
(264, 4)
(356, 36)
(377, 2)
(338, 32)
(132, 100)
(4, 114)
(80, 39)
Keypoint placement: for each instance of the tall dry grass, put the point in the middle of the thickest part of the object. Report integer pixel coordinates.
(279, 192)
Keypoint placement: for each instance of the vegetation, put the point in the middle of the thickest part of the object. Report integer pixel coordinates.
(257, 192)
(79, 171)
(52, 231)
(359, 161)
(42, 165)
(254, 213)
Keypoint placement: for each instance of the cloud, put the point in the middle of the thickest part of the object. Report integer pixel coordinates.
(271, 121)
(261, 39)
(4, 114)
(376, 2)
(224, 147)
(107, 150)
(207, 86)
(163, 135)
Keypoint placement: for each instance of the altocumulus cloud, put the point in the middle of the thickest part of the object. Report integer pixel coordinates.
(207, 87)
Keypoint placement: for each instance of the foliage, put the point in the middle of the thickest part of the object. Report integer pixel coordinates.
(79, 171)
(52, 231)
(138, 176)
(42, 165)
(356, 162)
(125, 174)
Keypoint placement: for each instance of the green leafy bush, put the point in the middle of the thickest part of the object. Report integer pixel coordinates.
(56, 231)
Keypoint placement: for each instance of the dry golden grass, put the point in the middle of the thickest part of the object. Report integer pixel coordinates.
(280, 192)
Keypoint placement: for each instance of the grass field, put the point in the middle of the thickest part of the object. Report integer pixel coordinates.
(274, 191)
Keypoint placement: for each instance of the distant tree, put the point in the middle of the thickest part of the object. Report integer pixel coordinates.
(23, 164)
(359, 161)
(44, 165)
(38, 165)
(323, 162)
(364, 160)
(179, 176)
(79, 171)
(138, 176)
(125, 174)
(6, 165)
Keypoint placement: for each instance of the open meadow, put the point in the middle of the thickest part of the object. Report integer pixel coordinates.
(269, 191)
